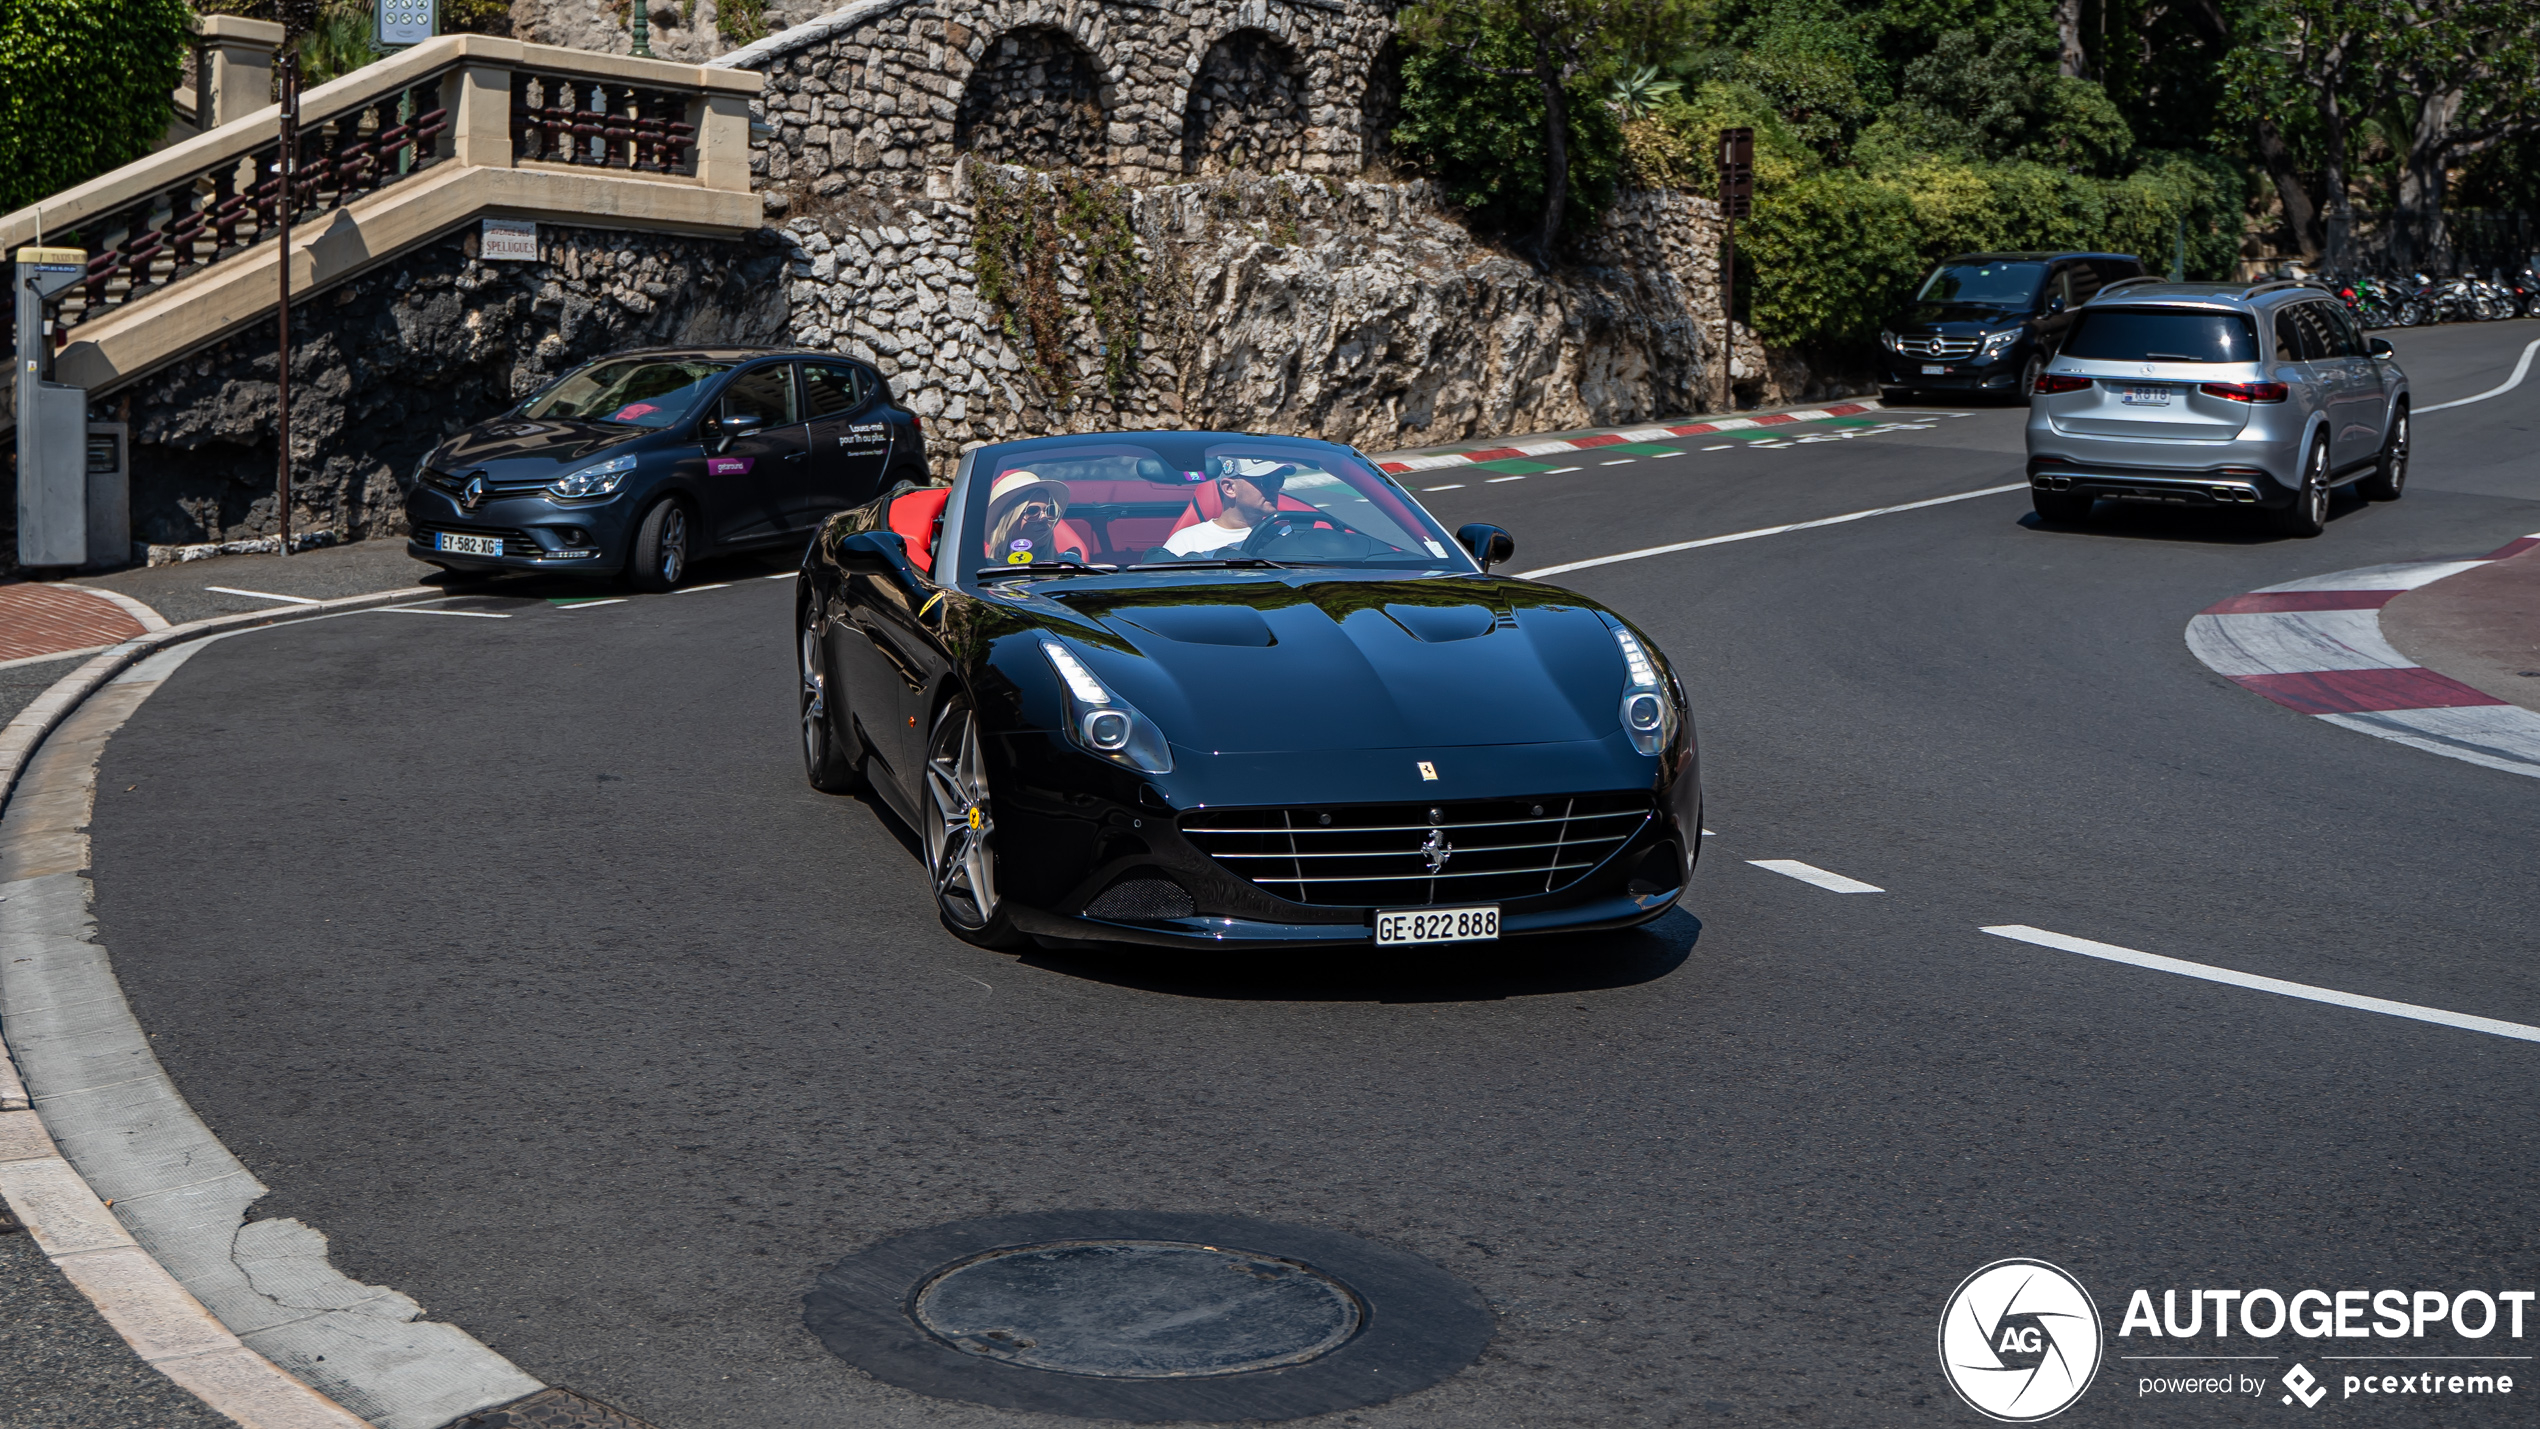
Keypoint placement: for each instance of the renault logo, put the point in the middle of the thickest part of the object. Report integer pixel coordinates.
(472, 495)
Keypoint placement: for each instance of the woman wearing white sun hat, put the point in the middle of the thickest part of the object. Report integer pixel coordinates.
(1024, 511)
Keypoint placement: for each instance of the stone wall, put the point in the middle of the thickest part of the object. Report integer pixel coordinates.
(387, 364)
(1356, 311)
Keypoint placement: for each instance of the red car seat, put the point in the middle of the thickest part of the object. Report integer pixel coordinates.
(919, 519)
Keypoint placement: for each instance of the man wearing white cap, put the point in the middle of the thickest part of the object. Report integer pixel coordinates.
(1024, 509)
(1248, 492)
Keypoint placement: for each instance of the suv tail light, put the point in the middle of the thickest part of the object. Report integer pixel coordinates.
(2051, 382)
(2246, 391)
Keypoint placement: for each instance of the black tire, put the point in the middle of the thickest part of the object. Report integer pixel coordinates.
(2308, 515)
(830, 760)
(2389, 479)
(663, 539)
(960, 834)
(2028, 375)
(2064, 508)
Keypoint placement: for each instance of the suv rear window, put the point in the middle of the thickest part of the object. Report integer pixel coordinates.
(2160, 335)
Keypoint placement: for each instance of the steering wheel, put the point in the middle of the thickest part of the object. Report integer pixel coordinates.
(1283, 523)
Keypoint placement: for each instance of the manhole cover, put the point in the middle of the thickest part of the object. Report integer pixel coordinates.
(1138, 1309)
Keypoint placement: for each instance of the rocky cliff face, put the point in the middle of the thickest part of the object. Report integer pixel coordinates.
(1358, 312)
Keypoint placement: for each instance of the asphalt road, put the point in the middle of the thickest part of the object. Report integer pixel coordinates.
(516, 956)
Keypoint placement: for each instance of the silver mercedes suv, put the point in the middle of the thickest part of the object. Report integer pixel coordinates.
(2216, 394)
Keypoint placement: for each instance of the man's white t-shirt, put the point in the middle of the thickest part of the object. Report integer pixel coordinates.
(1205, 536)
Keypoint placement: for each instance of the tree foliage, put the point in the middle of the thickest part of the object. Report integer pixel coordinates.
(1481, 137)
(84, 88)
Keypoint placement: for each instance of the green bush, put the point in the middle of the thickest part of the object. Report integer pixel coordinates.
(1829, 258)
(84, 88)
(1480, 136)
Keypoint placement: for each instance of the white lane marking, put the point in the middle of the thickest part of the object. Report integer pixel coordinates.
(2279, 641)
(1556, 471)
(2405, 575)
(1661, 456)
(1768, 531)
(780, 576)
(1498, 479)
(1810, 873)
(1619, 461)
(587, 604)
(2063, 942)
(1706, 833)
(261, 594)
(2503, 737)
(693, 589)
(1722, 447)
(1450, 486)
(419, 610)
(2520, 369)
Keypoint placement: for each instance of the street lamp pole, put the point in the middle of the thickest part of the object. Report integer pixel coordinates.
(286, 197)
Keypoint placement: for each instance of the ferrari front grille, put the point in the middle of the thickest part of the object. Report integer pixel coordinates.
(1415, 855)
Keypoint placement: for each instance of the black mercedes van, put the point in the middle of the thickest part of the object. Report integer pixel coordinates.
(1988, 322)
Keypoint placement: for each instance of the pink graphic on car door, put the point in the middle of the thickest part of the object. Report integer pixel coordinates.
(729, 465)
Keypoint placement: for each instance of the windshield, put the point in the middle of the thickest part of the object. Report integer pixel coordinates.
(633, 392)
(2160, 335)
(2003, 285)
(1158, 503)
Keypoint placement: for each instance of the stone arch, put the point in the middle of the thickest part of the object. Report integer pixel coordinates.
(1247, 106)
(1034, 96)
(1380, 103)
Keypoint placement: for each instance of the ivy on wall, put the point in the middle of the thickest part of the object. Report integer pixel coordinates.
(1025, 231)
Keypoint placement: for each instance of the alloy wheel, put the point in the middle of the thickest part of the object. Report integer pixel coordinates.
(815, 702)
(2315, 486)
(674, 545)
(958, 849)
(2397, 478)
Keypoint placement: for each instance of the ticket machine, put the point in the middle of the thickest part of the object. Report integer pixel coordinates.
(53, 503)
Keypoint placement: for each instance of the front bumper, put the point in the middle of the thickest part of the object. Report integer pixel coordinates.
(1956, 374)
(536, 534)
(1089, 825)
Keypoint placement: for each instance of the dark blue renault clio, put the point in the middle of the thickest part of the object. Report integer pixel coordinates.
(638, 463)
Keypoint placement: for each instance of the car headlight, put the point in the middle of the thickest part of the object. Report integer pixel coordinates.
(1887, 339)
(1103, 724)
(598, 480)
(1648, 716)
(1999, 343)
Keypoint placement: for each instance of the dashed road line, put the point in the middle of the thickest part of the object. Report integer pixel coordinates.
(1671, 549)
(693, 589)
(1450, 486)
(1722, 447)
(781, 576)
(1556, 471)
(1810, 873)
(2064, 942)
(1494, 481)
(1619, 461)
(587, 604)
(260, 594)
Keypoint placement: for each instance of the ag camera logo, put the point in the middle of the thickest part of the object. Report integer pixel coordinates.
(2020, 1341)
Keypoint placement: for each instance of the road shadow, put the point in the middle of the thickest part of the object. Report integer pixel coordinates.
(2190, 525)
(543, 585)
(1484, 972)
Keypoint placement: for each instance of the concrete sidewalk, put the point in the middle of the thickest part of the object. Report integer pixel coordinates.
(2481, 627)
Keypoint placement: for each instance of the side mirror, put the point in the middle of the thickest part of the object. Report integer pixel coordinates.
(1489, 544)
(882, 554)
(735, 424)
(2054, 304)
(2380, 347)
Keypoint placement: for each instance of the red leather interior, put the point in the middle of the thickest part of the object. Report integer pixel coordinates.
(1075, 541)
(917, 517)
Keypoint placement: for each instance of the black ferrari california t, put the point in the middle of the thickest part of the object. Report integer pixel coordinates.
(1202, 689)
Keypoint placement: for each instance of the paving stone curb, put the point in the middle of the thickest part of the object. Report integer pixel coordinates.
(127, 1276)
(1397, 463)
